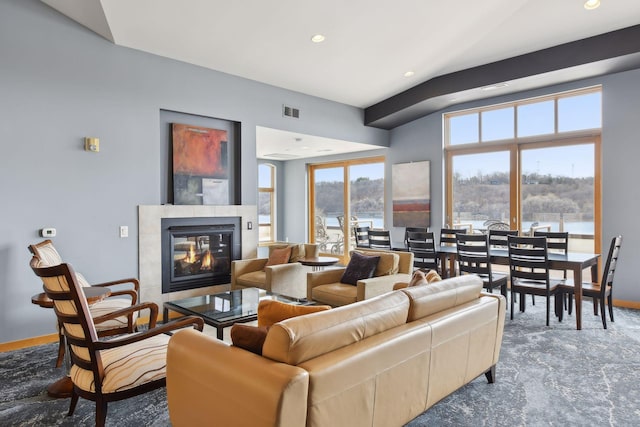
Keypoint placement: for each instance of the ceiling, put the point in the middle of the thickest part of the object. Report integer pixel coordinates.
(369, 44)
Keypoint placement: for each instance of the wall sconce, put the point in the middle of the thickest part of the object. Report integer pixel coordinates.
(92, 144)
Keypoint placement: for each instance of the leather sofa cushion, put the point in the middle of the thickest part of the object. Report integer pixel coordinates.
(439, 296)
(296, 340)
(273, 311)
(335, 294)
(255, 279)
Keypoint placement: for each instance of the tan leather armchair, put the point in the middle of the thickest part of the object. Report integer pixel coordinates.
(286, 279)
(325, 287)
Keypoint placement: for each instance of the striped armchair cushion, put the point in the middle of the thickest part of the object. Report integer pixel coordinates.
(110, 305)
(127, 366)
(48, 255)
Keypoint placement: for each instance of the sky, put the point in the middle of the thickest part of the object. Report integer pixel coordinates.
(577, 112)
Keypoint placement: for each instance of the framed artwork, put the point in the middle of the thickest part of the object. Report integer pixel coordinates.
(411, 194)
(200, 165)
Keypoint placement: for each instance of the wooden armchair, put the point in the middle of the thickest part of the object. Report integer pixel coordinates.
(107, 370)
(126, 291)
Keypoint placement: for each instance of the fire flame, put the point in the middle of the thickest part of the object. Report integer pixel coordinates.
(191, 256)
(207, 260)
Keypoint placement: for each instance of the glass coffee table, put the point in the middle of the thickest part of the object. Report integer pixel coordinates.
(224, 309)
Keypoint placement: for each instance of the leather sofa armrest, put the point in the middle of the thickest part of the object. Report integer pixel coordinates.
(287, 279)
(243, 266)
(369, 288)
(209, 381)
(323, 277)
(400, 285)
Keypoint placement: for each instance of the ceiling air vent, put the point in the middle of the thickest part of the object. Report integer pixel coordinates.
(290, 112)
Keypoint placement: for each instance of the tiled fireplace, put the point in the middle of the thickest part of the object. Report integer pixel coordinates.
(150, 229)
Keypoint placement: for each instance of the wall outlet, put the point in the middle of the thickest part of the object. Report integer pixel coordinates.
(249, 225)
(124, 231)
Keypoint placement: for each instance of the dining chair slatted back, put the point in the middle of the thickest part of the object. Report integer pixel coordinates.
(498, 238)
(529, 270)
(379, 239)
(601, 292)
(408, 230)
(473, 258)
(422, 244)
(361, 234)
(557, 241)
(448, 235)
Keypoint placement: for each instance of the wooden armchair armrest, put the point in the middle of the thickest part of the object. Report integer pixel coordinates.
(133, 294)
(181, 323)
(132, 280)
(151, 306)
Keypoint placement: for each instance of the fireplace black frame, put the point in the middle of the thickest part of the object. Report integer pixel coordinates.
(199, 225)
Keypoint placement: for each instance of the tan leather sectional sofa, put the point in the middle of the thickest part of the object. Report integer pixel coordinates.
(377, 362)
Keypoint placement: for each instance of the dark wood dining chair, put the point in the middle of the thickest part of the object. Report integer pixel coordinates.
(379, 239)
(361, 234)
(529, 271)
(558, 242)
(423, 246)
(448, 235)
(107, 370)
(599, 291)
(498, 238)
(408, 230)
(473, 258)
(448, 238)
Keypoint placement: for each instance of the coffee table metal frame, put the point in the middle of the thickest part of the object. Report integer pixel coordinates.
(223, 309)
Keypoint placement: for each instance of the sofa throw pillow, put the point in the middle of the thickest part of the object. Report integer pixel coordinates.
(420, 278)
(432, 276)
(297, 252)
(359, 267)
(272, 311)
(249, 337)
(279, 256)
(417, 279)
(388, 263)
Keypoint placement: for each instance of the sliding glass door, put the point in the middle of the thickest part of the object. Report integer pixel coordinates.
(342, 195)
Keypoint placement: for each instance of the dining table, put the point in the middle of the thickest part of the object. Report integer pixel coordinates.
(576, 262)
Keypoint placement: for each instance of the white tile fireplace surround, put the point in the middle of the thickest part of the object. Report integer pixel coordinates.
(150, 250)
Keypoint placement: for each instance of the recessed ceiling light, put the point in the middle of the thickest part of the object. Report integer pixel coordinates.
(494, 87)
(592, 4)
(409, 73)
(317, 38)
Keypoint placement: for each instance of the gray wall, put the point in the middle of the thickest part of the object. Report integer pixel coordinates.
(60, 82)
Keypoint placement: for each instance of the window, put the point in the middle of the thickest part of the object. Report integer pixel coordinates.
(541, 170)
(266, 203)
(342, 195)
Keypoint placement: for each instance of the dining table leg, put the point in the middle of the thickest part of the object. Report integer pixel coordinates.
(577, 293)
